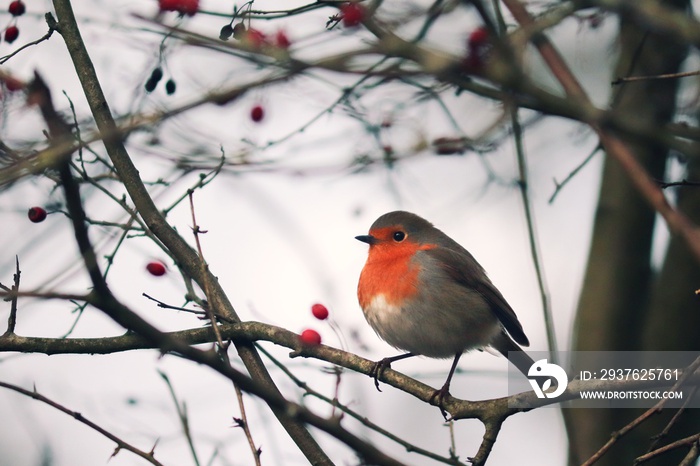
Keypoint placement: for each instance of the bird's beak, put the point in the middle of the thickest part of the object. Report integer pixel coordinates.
(369, 239)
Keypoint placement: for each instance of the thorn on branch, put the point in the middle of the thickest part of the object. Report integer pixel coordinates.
(116, 451)
(52, 23)
(238, 422)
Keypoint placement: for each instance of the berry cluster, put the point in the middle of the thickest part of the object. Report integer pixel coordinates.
(16, 8)
(154, 79)
(255, 38)
(311, 337)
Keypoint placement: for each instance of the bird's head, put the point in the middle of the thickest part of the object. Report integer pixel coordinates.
(399, 232)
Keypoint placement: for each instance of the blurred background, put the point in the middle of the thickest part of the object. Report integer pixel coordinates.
(333, 150)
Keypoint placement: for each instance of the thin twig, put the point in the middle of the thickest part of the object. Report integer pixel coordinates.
(52, 27)
(638, 175)
(121, 444)
(559, 185)
(687, 373)
(691, 441)
(362, 419)
(201, 314)
(243, 422)
(676, 416)
(629, 79)
(532, 235)
(182, 416)
(260, 381)
(204, 179)
(672, 184)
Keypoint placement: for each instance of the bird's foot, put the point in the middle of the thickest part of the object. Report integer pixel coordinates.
(378, 369)
(440, 396)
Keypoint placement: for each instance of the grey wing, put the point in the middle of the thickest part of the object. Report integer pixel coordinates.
(461, 266)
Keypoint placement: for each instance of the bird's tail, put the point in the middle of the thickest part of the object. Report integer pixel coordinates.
(520, 359)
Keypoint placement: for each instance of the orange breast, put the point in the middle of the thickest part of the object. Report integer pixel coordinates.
(388, 271)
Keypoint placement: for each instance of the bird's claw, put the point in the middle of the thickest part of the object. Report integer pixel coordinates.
(377, 370)
(440, 396)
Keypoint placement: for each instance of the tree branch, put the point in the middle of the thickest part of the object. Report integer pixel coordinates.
(186, 256)
(676, 221)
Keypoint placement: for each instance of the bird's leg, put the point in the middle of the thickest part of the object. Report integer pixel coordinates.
(379, 366)
(445, 390)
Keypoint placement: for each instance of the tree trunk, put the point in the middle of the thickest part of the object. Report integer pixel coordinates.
(614, 303)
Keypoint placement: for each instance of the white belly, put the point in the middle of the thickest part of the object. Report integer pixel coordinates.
(440, 335)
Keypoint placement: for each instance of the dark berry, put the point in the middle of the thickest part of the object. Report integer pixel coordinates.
(156, 74)
(226, 32)
(257, 113)
(150, 85)
(36, 215)
(11, 34)
(170, 87)
(17, 8)
(154, 79)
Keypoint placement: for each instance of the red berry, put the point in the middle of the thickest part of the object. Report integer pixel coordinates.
(478, 49)
(257, 113)
(281, 40)
(36, 215)
(184, 7)
(352, 14)
(189, 7)
(156, 268)
(168, 5)
(13, 84)
(319, 311)
(17, 8)
(11, 34)
(255, 38)
(310, 338)
(479, 36)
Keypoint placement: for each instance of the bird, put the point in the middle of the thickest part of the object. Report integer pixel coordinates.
(425, 294)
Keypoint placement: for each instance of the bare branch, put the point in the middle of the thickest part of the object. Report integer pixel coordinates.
(121, 444)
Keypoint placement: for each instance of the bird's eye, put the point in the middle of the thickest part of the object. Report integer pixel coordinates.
(399, 236)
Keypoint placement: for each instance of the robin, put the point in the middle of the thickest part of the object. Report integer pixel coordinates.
(425, 294)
